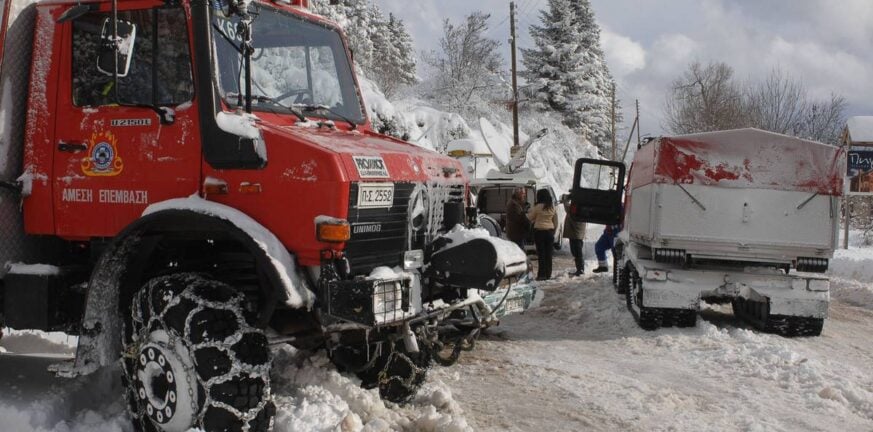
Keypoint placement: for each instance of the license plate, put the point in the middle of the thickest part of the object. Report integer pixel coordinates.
(375, 195)
(514, 305)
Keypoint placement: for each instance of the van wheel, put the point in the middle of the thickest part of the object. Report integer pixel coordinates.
(193, 359)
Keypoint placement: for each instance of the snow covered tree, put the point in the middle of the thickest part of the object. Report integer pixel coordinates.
(393, 64)
(466, 68)
(382, 46)
(566, 71)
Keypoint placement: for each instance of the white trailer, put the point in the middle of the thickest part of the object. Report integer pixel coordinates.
(742, 216)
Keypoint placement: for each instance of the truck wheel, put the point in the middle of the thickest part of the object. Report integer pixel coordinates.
(647, 318)
(193, 359)
(403, 374)
(623, 280)
(791, 326)
(397, 373)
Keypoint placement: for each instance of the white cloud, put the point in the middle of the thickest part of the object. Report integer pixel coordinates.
(622, 53)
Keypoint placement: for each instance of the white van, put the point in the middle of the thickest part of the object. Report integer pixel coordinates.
(493, 192)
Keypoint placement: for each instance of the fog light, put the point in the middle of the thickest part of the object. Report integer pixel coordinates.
(388, 302)
(413, 259)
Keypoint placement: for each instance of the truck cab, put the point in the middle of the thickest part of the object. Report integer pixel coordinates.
(213, 160)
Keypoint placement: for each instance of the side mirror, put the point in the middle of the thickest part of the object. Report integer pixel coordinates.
(124, 47)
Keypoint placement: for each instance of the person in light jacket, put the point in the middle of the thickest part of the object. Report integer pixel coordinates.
(545, 221)
(575, 233)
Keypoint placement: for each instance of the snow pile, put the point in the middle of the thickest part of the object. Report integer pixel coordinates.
(853, 267)
(32, 269)
(552, 158)
(310, 395)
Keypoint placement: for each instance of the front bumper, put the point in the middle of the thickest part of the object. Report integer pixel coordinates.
(517, 298)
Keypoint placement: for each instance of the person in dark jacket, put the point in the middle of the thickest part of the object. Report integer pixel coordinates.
(517, 225)
(575, 233)
(545, 221)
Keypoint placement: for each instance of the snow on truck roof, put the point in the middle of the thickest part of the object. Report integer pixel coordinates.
(742, 158)
(859, 130)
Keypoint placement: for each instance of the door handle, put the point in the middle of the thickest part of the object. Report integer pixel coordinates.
(71, 147)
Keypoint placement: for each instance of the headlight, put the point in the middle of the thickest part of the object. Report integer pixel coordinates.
(388, 302)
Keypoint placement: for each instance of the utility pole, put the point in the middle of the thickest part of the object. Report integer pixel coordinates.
(613, 121)
(639, 141)
(514, 78)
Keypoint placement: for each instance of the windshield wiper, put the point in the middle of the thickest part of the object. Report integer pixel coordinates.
(313, 108)
(267, 99)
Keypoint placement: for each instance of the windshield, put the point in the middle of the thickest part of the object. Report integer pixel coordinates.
(296, 63)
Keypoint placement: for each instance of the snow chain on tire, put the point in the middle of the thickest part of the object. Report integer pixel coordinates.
(402, 374)
(194, 359)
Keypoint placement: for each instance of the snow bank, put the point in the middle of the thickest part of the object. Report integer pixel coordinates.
(310, 395)
(854, 267)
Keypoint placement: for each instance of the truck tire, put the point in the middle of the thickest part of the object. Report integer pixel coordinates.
(648, 319)
(193, 359)
(758, 314)
(623, 280)
(397, 373)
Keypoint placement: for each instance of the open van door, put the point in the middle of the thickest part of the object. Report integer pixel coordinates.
(599, 203)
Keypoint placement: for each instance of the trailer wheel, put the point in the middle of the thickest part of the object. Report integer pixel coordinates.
(193, 359)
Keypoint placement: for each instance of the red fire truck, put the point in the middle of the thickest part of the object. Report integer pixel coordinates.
(198, 179)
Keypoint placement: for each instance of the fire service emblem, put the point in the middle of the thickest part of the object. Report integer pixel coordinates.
(102, 159)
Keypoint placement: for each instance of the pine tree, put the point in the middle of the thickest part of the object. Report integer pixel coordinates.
(393, 64)
(567, 72)
(405, 63)
(382, 47)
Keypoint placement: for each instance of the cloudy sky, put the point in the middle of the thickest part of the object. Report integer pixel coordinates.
(828, 44)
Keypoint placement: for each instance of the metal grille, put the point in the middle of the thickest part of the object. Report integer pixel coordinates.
(381, 236)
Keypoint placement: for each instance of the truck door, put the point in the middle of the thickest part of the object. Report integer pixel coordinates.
(597, 191)
(113, 154)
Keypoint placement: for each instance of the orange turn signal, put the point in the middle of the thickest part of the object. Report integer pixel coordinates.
(336, 231)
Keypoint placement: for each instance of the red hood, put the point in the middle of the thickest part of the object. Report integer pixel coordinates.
(402, 161)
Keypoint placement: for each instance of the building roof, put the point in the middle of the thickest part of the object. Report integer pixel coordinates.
(859, 130)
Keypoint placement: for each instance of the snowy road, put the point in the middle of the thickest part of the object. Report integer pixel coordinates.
(579, 362)
(575, 362)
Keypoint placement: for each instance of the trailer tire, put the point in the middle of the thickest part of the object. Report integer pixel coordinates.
(193, 358)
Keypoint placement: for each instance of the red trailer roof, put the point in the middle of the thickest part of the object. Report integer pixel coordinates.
(742, 158)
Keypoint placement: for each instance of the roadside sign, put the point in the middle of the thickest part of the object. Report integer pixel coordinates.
(860, 171)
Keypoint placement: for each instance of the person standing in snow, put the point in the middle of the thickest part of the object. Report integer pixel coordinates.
(545, 221)
(575, 233)
(517, 225)
(604, 243)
